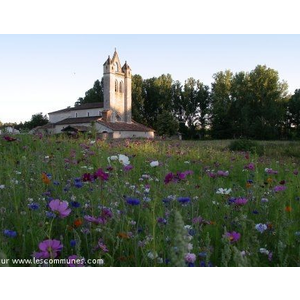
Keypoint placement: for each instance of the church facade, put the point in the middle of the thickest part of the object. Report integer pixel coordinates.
(113, 117)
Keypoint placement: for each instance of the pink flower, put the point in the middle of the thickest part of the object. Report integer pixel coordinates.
(190, 258)
(240, 201)
(49, 249)
(250, 167)
(279, 188)
(101, 175)
(60, 208)
(99, 220)
(233, 236)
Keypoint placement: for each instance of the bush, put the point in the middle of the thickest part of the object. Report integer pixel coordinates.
(246, 145)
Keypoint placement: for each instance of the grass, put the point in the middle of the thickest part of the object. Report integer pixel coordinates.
(162, 230)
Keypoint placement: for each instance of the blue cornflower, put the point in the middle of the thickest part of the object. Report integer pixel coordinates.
(10, 233)
(132, 201)
(184, 200)
(55, 182)
(72, 243)
(78, 184)
(50, 214)
(75, 204)
(33, 206)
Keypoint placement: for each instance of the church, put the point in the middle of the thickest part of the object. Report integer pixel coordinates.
(112, 118)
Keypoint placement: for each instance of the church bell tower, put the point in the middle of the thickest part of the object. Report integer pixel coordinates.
(117, 90)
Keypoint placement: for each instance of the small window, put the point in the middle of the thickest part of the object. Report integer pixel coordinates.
(88, 114)
(121, 86)
(75, 115)
(116, 86)
(117, 67)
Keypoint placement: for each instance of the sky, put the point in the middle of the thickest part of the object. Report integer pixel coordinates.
(44, 73)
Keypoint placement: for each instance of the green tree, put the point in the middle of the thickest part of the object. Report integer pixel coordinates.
(95, 94)
(221, 105)
(268, 97)
(294, 112)
(166, 124)
(138, 105)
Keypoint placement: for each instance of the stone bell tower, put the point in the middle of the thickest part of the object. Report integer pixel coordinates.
(117, 90)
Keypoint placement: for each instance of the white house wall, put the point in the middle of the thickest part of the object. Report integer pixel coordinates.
(93, 112)
(133, 134)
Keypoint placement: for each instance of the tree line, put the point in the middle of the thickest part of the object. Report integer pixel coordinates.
(253, 104)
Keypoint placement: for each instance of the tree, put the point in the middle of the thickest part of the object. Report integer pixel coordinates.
(268, 97)
(138, 101)
(36, 120)
(93, 95)
(167, 124)
(221, 105)
(294, 112)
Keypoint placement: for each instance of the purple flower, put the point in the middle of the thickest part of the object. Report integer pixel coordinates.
(197, 220)
(190, 257)
(60, 208)
(132, 201)
(233, 236)
(222, 173)
(128, 168)
(75, 261)
(49, 249)
(279, 188)
(240, 201)
(250, 167)
(87, 177)
(101, 175)
(169, 178)
(99, 220)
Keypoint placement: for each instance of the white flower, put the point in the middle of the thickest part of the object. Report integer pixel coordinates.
(154, 163)
(160, 260)
(223, 191)
(2, 186)
(123, 159)
(152, 255)
(264, 251)
(187, 162)
(111, 158)
(190, 246)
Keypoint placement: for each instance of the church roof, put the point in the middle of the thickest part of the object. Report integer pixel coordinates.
(80, 107)
(123, 126)
(77, 120)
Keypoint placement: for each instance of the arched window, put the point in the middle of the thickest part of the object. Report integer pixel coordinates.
(121, 87)
(116, 85)
(117, 67)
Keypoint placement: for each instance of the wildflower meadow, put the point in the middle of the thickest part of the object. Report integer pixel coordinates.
(87, 202)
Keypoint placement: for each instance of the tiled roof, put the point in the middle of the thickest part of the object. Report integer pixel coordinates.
(80, 107)
(123, 126)
(77, 120)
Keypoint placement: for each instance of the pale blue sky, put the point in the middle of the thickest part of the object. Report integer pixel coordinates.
(37, 71)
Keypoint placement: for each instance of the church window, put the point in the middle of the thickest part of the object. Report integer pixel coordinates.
(116, 86)
(121, 87)
(117, 67)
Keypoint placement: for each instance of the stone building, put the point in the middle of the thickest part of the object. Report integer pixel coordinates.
(113, 117)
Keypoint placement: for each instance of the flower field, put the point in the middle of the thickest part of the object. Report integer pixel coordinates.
(81, 202)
